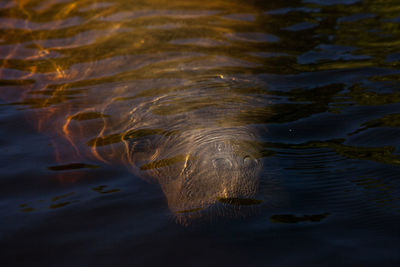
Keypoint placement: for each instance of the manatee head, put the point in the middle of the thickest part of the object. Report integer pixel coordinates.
(215, 170)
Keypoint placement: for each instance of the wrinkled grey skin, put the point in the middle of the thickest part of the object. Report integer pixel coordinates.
(215, 165)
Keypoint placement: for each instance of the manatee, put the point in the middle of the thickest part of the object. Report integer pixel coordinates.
(181, 140)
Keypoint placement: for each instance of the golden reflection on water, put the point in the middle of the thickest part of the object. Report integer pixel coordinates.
(182, 88)
(154, 85)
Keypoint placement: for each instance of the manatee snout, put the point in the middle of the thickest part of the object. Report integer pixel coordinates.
(218, 174)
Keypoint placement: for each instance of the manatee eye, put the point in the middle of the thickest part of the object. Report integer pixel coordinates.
(247, 160)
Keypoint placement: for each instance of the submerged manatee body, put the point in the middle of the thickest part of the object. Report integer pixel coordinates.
(190, 141)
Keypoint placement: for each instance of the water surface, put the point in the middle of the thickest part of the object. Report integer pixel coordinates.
(98, 97)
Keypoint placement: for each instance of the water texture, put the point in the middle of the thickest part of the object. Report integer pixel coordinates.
(199, 133)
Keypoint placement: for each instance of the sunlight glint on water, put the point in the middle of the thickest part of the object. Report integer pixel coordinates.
(156, 123)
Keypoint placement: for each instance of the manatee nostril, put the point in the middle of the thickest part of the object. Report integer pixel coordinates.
(222, 163)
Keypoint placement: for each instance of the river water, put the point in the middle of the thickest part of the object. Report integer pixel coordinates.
(199, 133)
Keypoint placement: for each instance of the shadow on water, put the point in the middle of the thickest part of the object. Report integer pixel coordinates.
(179, 124)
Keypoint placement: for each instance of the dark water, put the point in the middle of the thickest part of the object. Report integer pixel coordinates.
(104, 101)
